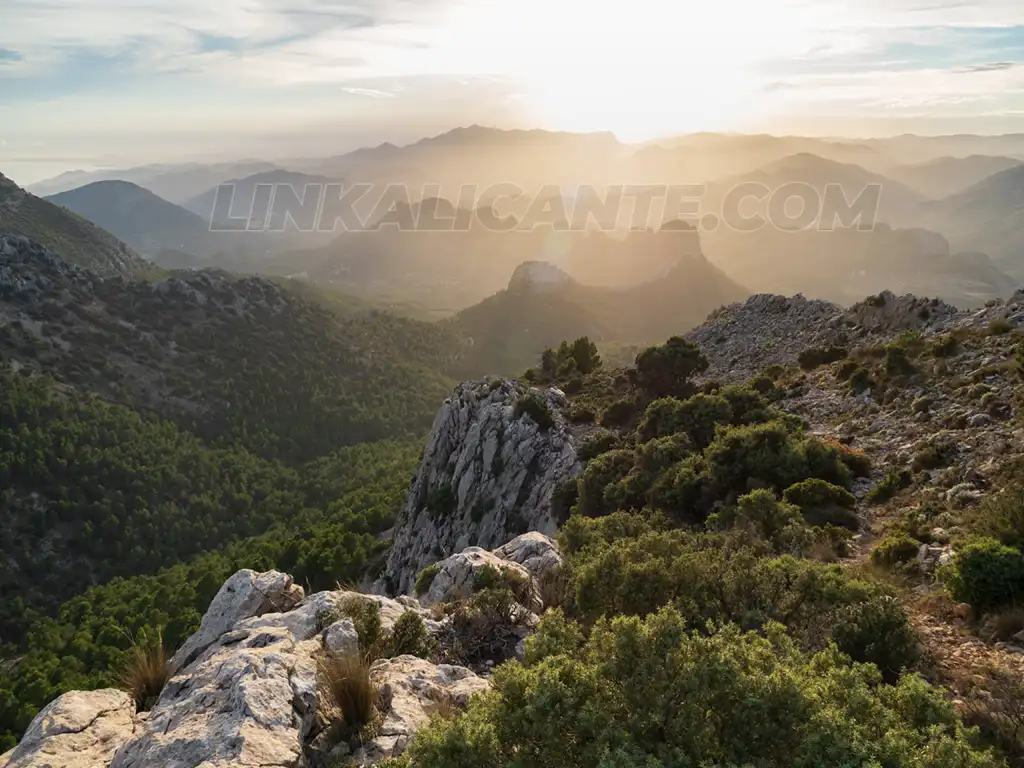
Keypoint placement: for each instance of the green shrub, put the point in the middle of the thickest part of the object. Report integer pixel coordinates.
(601, 473)
(823, 503)
(409, 636)
(426, 578)
(619, 413)
(878, 632)
(889, 486)
(846, 370)
(365, 616)
(650, 693)
(666, 370)
(986, 574)
(815, 357)
(777, 522)
(601, 441)
(999, 327)
(442, 501)
(536, 407)
(859, 380)
(894, 550)
(934, 454)
(897, 362)
(564, 497)
(697, 416)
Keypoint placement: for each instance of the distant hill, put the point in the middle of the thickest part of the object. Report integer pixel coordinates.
(148, 223)
(510, 329)
(844, 265)
(638, 257)
(173, 182)
(452, 269)
(245, 360)
(986, 217)
(897, 202)
(80, 242)
(949, 175)
(245, 191)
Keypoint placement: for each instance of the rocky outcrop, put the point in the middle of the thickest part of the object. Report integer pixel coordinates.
(740, 340)
(245, 694)
(487, 475)
(244, 595)
(81, 729)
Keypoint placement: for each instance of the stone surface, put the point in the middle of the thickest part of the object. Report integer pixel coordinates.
(486, 477)
(244, 595)
(81, 729)
(341, 637)
(537, 553)
(457, 575)
(418, 688)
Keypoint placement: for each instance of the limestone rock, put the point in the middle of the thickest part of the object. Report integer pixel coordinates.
(245, 703)
(244, 595)
(341, 637)
(81, 729)
(458, 574)
(486, 477)
(418, 689)
(537, 553)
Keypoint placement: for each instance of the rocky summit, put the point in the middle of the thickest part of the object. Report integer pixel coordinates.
(494, 454)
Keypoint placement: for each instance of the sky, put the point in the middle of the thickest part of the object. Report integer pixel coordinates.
(88, 83)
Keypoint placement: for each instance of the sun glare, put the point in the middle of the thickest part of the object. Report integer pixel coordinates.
(643, 69)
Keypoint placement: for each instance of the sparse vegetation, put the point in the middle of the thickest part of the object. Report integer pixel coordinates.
(145, 671)
(426, 578)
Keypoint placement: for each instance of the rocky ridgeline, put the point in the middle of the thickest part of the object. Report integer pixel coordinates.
(487, 474)
(31, 273)
(741, 340)
(244, 688)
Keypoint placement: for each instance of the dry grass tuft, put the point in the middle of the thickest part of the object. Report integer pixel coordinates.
(145, 671)
(345, 685)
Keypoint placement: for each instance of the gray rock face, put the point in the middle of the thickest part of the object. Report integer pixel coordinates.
(244, 595)
(486, 477)
(81, 729)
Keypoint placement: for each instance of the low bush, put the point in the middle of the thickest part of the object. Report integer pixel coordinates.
(815, 357)
(823, 503)
(426, 578)
(986, 574)
(536, 407)
(894, 550)
(877, 631)
(894, 482)
(409, 636)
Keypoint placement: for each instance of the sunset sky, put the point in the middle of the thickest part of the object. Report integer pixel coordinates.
(87, 82)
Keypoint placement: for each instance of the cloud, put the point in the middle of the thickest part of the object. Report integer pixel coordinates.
(370, 92)
(993, 66)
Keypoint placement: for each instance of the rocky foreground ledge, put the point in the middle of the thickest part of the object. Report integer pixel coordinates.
(244, 691)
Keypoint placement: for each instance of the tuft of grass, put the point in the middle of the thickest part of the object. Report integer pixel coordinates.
(145, 671)
(345, 685)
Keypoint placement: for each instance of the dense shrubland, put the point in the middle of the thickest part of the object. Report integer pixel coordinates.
(698, 623)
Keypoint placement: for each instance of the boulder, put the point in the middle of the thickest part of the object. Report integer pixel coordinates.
(458, 574)
(81, 729)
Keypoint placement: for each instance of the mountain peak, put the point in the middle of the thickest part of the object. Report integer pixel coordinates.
(538, 275)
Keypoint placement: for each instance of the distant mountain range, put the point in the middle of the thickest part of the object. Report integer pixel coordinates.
(946, 176)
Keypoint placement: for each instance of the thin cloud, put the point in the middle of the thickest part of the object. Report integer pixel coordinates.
(369, 92)
(993, 66)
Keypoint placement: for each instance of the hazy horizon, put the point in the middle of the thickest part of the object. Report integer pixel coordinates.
(84, 84)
